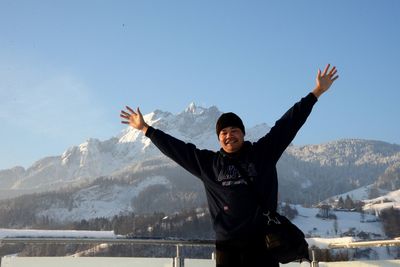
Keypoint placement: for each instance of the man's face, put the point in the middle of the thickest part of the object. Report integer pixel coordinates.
(231, 139)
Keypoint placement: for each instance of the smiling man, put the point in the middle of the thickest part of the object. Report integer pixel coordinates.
(230, 132)
(240, 179)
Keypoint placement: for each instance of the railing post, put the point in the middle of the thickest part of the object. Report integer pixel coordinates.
(178, 261)
(314, 262)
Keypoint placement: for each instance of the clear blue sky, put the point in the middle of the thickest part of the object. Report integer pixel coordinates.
(68, 67)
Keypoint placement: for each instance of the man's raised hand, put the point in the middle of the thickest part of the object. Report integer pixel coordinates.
(134, 119)
(324, 80)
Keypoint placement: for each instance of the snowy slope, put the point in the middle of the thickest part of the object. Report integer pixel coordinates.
(356, 194)
(96, 202)
(346, 221)
(389, 200)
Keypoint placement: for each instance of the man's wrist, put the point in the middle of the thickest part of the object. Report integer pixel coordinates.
(317, 92)
(145, 128)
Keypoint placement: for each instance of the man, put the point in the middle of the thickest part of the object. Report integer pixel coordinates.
(241, 179)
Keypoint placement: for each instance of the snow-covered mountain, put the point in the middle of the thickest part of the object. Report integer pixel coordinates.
(94, 158)
(127, 172)
(336, 167)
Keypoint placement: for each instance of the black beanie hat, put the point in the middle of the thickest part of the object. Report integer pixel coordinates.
(229, 119)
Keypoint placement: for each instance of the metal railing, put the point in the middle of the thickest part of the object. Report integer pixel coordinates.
(178, 243)
(178, 260)
(373, 243)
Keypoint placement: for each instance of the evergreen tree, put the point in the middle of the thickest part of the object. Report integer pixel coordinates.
(340, 203)
(391, 222)
(348, 203)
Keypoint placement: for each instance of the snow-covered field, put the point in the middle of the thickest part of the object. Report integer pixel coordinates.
(4, 233)
(321, 233)
(376, 253)
(329, 228)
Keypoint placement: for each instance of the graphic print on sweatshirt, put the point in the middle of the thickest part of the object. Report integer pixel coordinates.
(231, 176)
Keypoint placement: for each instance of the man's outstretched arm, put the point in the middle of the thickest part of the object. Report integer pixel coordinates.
(324, 80)
(185, 154)
(286, 128)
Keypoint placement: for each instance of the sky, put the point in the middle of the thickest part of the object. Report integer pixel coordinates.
(68, 67)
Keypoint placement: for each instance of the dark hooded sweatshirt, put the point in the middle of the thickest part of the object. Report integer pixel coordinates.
(233, 200)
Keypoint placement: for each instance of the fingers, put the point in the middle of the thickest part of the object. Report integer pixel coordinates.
(326, 69)
(127, 116)
(334, 78)
(130, 110)
(125, 113)
(330, 73)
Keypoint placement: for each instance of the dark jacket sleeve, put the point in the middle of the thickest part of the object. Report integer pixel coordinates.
(285, 129)
(185, 154)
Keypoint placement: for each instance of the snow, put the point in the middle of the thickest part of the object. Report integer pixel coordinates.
(390, 200)
(192, 108)
(346, 221)
(356, 194)
(94, 158)
(55, 233)
(320, 232)
(93, 202)
(348, 151)
(323, 243)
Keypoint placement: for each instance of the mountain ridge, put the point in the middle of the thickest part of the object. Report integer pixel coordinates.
(313, 170)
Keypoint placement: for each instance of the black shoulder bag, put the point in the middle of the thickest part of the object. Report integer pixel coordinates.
(284, 240)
